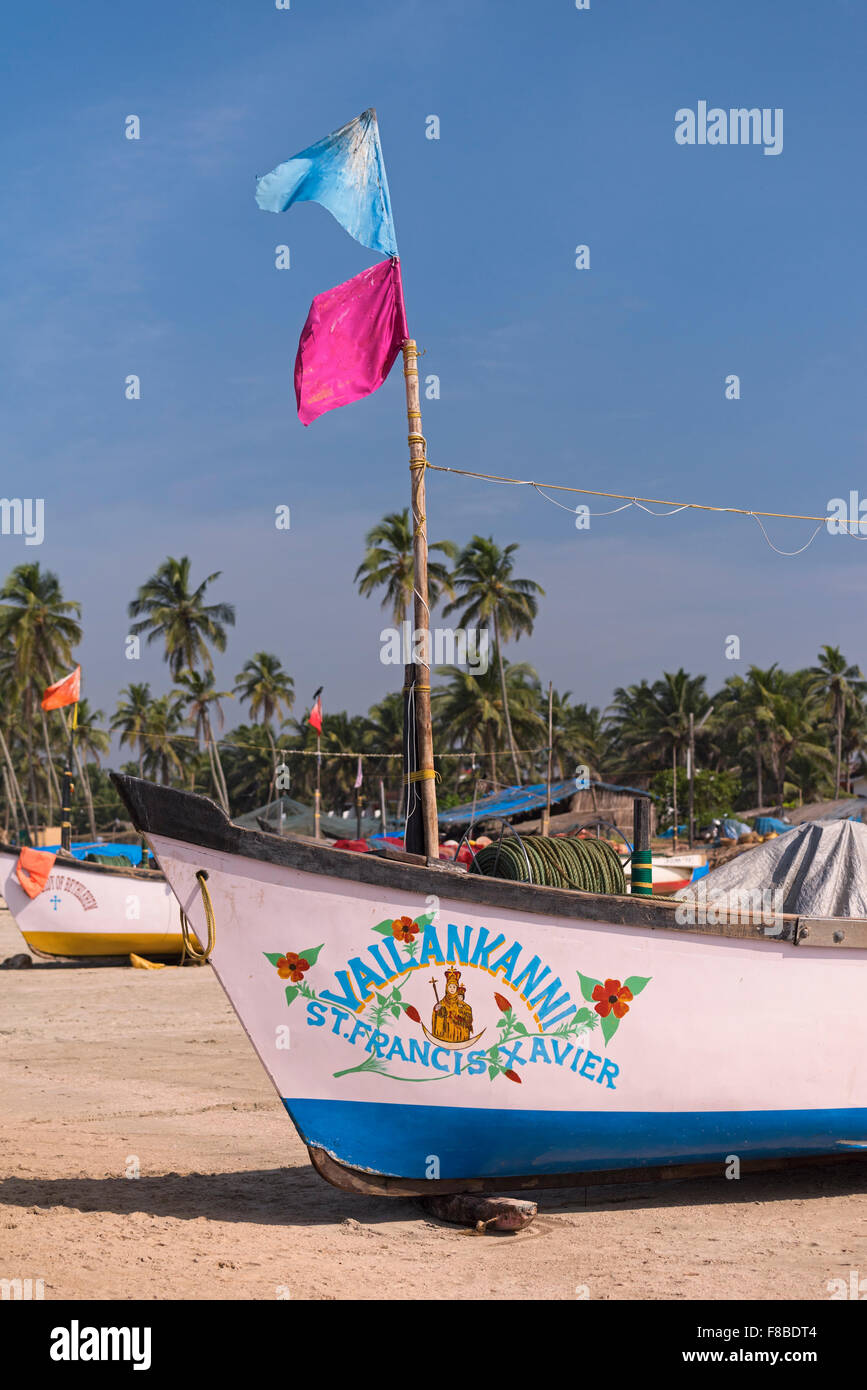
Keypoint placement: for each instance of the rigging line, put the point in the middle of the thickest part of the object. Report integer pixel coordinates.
(786, 552)
(624, 497)
(571, 510)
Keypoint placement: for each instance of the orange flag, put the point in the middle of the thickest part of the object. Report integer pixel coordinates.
(65, 692)
(32, 870)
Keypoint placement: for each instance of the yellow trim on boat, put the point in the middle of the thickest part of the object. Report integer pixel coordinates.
(63, 943)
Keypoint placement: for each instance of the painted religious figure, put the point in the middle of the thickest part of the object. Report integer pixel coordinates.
(452, 1015)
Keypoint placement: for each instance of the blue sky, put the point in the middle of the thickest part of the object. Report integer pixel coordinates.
(557, 128)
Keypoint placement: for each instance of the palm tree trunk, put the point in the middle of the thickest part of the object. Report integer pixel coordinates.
(224, 790)
(31, 762)
(759, 787)
(839, 746)
(88, 795)
(13, 780)
(507, 715)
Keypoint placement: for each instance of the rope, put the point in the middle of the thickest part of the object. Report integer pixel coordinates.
(625, 497)
(589, 866)
(423, 775)
(646, 504)
(190, 948)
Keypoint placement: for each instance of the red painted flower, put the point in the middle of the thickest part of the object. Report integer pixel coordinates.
(513, 1076)
(412, 1012)
(292, 967)
(405, 929)
(503, 1004)
(612, 997)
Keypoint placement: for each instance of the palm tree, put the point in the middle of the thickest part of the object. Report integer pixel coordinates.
(741, 711)
(469, 710)
(489, 591)
(40, 629)
(265, 687)
(268, 690)
(384, 734)
(130, 718)
(199, 698)
(89, 742)
(791, 718)
(248, 761)
(585, 738)
(650, 719)
(342, 735)
(832, 682)
(388, 564)
(161, 735)
(167, 608)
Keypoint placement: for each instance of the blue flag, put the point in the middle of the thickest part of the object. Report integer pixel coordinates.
(344, 172)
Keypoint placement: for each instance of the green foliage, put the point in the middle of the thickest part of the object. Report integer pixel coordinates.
(716, 794)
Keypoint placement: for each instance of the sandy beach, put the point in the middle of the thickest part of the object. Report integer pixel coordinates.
(109, 1071)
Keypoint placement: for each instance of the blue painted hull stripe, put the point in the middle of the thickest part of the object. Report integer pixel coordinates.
(400, 1140)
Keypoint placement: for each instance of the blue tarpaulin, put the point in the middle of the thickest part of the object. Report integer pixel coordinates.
(515, 801)
(81, 851)
(770, 825)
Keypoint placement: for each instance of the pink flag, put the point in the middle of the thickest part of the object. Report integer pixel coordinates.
(358, 774)
(348, 345)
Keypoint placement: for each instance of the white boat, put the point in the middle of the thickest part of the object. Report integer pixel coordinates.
(93, 910)
(426, 1026)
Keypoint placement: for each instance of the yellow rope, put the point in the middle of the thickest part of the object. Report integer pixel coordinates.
(187, 934)
(423, 775)
(627, 497)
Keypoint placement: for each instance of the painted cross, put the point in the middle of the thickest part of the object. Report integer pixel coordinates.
(55, 902)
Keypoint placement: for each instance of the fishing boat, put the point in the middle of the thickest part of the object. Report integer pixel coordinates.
(91, 909)
(431, 1029)
(597, 1033)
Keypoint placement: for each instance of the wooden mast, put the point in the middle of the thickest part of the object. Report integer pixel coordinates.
(424, 778)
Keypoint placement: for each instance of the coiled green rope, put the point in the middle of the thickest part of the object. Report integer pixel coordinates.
(593, 866)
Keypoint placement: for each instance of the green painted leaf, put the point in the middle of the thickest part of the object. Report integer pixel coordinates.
(637, 982)
(273, 956)
(312, 955)
(395, 1009)
(588, 984)
(609, 1027)
(492, 1071)
(291, 991)
(520, 1028)
(424, 919)
(384, 928)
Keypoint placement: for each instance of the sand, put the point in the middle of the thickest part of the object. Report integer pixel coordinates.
(107, 1071)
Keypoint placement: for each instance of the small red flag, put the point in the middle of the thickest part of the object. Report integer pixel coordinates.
(64, 692)
(316, 715)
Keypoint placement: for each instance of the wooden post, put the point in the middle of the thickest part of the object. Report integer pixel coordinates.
(382, 806)
(422, 707)
(546, 818)
(66, 810)
(642, 865)
(414, 841)
(317, 795)
(691, 779)
(674, 796)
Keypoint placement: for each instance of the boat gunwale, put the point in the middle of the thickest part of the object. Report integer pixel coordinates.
(70, 862)
(194, 819)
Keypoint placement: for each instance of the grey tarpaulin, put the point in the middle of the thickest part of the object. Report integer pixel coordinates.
(820, 868)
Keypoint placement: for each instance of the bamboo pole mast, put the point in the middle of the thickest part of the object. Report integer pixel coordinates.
(425, 775)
